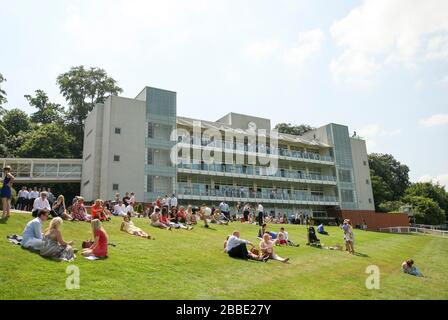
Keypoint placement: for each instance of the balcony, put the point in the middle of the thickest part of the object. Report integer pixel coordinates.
(255, 172)
(244, 194)
(259, 150)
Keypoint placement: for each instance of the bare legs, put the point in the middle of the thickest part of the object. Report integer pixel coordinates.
(6, 207)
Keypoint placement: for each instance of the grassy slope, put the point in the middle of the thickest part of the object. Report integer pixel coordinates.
(191, 265)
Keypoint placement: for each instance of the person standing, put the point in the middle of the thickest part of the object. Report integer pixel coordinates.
(246, 212)
(32, 234)
(126, 199)
(51, 197)
(8, 180)
(29, 204)
(132, 199)
(173, 201)
(33, 196)
(260, 211)
(22, 197)
(224, 208)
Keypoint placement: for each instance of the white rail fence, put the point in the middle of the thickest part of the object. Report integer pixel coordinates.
(415, 230)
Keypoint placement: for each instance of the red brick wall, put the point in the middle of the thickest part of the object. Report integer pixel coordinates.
(376, 220)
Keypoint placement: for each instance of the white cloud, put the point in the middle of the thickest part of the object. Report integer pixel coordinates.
(260, 50)
(381, 32)
(309, 43)
(435, 120)
(442, 179)
(373, 132)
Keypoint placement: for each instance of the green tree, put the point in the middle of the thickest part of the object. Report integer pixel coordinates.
(47, 112)
(83, 88)
(297, 130)
(2, 94)
(47, 141)
(394, 175)
(429, 190)
(15, 121)
(426, 210)
(390, 206)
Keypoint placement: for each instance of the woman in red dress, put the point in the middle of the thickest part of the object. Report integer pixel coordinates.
(99, 246)
(99, 212)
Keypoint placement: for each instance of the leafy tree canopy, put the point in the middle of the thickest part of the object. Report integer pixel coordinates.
(426, 210)
(435, 192)
(297, 130)
(47, 112)
(15, 121)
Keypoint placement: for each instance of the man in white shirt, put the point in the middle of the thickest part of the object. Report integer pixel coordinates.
(129, 210)
(166, 201)
(40, 204)
(236, 248)
(33, 195)
(119, 209)
(206, 214)
(173, 201)
(260, 211)
(32, 234)
(22, 199)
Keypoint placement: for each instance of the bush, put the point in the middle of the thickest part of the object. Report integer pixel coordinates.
(13, 198)
(138, 208)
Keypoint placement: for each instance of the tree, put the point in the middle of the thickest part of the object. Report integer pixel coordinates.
(297, 130)
(2, 93)
(394, 177)
(47, 141)
(47, 112)
(426, 211)
(429, 190)
(390, 206)
(15, 121)
(83, 88)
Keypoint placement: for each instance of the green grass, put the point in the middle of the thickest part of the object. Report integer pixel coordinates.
(191, 265)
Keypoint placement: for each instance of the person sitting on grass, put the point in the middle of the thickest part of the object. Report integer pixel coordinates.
(41, 203)
(205, 214)
(99, 212)
(409, 268)
(100, 241)
(321, 230)
(172, 219)
(311, 234)
(119, 209)
(79, 212)
(348, 236)
(281, 238)
(59, 210)
(128, 226)
(219, 218)
(286, 237)
(54, 246)
(155, 220)
(191, 216)
(32, 234)
(264, 230)
(236, 248)
(267, 249)
(182, 215)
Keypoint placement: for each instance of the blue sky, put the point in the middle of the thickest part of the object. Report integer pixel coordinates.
(378, 66)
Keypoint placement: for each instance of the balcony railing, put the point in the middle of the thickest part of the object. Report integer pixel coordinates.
(229, 146)
(264, 195)
(255, 171)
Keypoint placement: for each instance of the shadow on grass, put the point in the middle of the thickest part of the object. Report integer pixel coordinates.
(362, 255)
(4, 220)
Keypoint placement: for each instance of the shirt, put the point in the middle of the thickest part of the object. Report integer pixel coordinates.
(224, 207)
(320, 228)
(40, 204)
(234, 242)
(119, 209)
(173, 202)
(260, 208)
(34, 194)
(23, 194)
(32, 230)
(129, 209)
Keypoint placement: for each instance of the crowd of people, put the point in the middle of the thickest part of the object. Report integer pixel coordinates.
(164, 213)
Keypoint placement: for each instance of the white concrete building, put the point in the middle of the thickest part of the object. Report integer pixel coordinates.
(127, 146)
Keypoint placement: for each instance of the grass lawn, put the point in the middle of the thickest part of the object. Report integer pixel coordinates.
(191, 265)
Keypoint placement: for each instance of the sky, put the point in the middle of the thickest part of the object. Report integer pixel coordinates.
(377, 66)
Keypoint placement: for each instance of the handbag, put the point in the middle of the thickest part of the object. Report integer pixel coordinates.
(87, 244)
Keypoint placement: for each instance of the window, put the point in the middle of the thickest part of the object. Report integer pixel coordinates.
(345, 175)
(149, 184)
(150, 130)
(150, 156)
(115, 187)
(116, 158)
(117, 130)
(347, 195)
